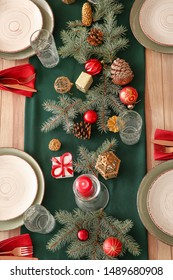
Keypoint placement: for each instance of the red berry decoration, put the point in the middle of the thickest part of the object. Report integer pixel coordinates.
(90, 116)
(83, 234)
(128, 96)
(112, 246)
(93, 66)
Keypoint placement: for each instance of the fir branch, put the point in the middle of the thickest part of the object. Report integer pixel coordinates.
(75, 43)
(64, 112)
(100, 226)
(87, 160)
(64, 235)
(102, 8)
(74, 38)
(107, 145)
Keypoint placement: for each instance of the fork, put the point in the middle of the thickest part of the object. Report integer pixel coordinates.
(19, 251)
(165, 149)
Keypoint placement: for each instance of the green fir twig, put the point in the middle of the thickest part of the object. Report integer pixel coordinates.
(87, 159)
(64, 111)
(100, 226)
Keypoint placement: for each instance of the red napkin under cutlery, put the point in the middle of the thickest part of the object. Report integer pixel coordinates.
(161, 134)
(16, 241)
(19, 79)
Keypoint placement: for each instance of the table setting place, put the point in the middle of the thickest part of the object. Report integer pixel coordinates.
(81, 181)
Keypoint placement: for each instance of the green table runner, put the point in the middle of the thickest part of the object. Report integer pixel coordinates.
(58, 192)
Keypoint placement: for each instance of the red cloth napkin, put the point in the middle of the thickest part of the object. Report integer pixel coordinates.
(162, 134)
(18, 79)
(16, 241)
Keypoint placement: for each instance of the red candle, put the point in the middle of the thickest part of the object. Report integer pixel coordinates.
(84, 186)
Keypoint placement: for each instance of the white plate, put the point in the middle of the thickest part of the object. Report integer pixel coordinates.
(156, 20)
(18, 186)
(48, 23)
(18, 221)
(160, 202)
(19, 19)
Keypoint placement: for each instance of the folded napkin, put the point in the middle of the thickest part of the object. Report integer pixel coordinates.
(161, 134)
(16, 241)
(18, 79)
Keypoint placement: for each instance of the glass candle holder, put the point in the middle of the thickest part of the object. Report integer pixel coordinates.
(90, 193)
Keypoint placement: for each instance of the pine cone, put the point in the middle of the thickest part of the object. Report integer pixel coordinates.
(95, 37)
(121, 72)
(82, 130)
(87, 14)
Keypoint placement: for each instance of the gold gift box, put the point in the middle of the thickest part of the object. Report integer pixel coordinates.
(84, 82)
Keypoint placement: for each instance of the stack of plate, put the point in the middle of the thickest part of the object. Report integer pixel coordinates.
(19, 19)
(155, 201)
(151, 22)
(21, 185)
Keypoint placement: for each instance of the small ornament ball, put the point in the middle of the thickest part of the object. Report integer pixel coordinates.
(83, 234)
(112, 246)
(90, 116)
(128, 96)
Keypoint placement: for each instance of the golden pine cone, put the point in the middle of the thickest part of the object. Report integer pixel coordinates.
(54, 145)
(95, 37)
(87, 14)
(121, 72)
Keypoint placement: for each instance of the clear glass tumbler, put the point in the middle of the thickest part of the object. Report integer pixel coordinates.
(43, 44)
(38, 219)
(129, 124)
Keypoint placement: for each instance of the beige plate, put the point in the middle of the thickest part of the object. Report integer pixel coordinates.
(160, 202)
(18, 186)
(140, 35)
(143, 197)
(156, 20)
(48, 23)
(19, 19)
(18, 221)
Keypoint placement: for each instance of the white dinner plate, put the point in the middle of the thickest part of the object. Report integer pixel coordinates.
(48, 23)
(18, 221)
(18, 20)
(153, 201)
(18, 186)
(160, 202)
(156, 20)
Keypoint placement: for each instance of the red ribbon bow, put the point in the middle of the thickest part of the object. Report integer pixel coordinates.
(60, 163)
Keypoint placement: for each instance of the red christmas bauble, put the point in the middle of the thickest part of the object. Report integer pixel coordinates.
(90, 116)
(112, 246)
(83, 234)
(93, 66)
(128, 96)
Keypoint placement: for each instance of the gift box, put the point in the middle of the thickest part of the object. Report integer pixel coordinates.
(108, 165)
(62, 167)
(84, 82)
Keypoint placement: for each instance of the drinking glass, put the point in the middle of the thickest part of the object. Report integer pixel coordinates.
(43, 44)
(129, 124)
(38, 219)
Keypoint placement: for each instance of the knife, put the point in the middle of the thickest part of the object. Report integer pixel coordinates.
(162, 142)
(21, 87)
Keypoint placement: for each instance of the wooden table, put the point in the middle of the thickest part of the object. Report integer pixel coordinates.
(159, 114)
